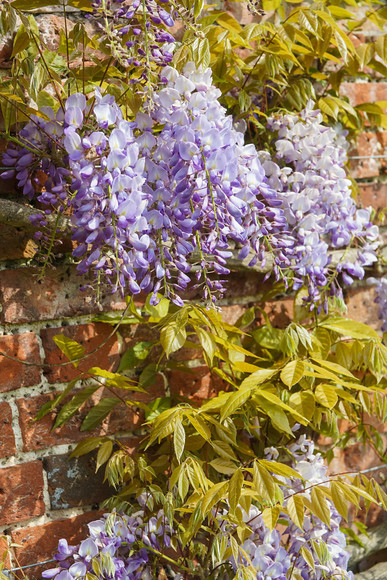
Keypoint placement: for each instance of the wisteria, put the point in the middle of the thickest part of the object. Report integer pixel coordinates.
(307, 170)
(154, 199)
(146, 206)
(128, 546)
(118, 546)
(137, 33)
(381, 299)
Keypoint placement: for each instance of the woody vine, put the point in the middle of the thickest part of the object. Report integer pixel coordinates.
(168, 161)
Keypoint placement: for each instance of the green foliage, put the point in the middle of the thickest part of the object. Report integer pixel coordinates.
(209, 454)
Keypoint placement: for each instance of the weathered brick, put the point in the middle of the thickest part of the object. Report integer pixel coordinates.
(90, 336)
(15, 244)
(361, 305)
(15, 374)
(196, 385)
(39, 434)
(25, 297)
(67, 478)
(40, 543)
(7, 438)
(369, 145)
(21, 492)
(373, 194)
(367, 92)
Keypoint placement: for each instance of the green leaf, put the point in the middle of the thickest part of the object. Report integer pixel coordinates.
(235, 401)
(21, 41)
(134, 355)
(304, 403)
(263, 482)
(292, 373)
(70, 348)
(208, 345)
(326, 395)
(279, 468)
(86, 446)
(295, 507)
(148, 375)
(270, 516)
(200, 426)
(319, 506)
(70, 408)
(235, 488)
(172, 337)
(339, 500)
(104, 452)
(350, 328)
(212, 496)
(224, 466)
(159, 310)
(257, 378)
(308, 557)
(179, 439)
(33, 4)
(98, 413)
(50, 405)
(334, 367)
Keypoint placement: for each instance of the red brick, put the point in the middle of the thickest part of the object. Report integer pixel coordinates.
(359, 93)
(39, 434)
(7, 439)
(361, 305)
(26, 298)
(90, 336)
(40, 543)
(197, 385)
(15, 374)
(21, 492)
(369, 145)
(15, 244)
(373, 194)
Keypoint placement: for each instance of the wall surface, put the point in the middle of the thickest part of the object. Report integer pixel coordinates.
(43, 495)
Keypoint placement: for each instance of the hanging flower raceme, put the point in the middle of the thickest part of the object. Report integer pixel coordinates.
(308, 173)
(123, 546)
(137, 33)
(381, 299)
(151, 197)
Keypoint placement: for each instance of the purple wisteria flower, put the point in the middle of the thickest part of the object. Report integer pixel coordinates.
(137, 32)
(118, 546)
(148, 205)
(381, 299)
(308, 173)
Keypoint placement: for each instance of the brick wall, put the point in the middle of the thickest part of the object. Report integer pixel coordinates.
(43, 495)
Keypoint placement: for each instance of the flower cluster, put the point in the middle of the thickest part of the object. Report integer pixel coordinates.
(123, 547)
(137, 32)
(381, 299)
(147, 203)
(118, 546)
(274, 552)
(308, 173)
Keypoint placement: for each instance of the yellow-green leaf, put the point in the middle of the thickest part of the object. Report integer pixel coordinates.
(270, 516)
(292, 373)
(326, 395)
(295, 507)
(234, 489)
(72, 349)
